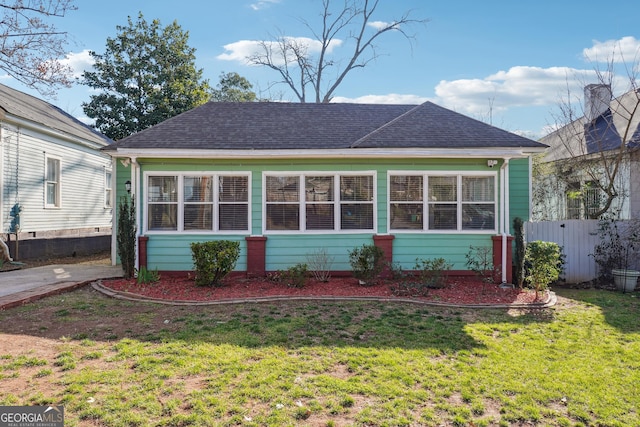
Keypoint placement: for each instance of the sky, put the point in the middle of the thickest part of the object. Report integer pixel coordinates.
(509, 63)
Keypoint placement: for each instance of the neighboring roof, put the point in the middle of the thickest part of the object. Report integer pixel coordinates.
(35, 110)
(300, 126)
(617, 124)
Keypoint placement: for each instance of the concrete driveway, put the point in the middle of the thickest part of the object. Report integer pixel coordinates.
(21, 286)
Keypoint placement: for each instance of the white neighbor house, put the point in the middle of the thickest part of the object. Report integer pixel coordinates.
(584, 155)
(56, 195)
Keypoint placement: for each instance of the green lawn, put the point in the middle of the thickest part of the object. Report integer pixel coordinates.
(326, 363)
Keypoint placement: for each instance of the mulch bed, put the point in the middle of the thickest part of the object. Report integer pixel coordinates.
(458, 292)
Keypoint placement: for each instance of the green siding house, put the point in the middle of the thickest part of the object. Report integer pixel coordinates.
(287, 180)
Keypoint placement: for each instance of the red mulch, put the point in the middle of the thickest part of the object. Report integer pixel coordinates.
(463, 292)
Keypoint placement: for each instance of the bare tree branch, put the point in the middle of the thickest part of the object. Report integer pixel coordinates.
(31, 49)
(301, 63)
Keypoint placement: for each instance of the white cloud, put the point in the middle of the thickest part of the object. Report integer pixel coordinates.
(392, 98)
(241, 50)
(519, 86)
(78, 62)
(263, 4)
(627, 49)
(378, 25)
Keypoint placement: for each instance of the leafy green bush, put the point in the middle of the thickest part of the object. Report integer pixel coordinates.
(545, 263)
(367, 263)
(296, 275)
(147, 276)
(213, 260)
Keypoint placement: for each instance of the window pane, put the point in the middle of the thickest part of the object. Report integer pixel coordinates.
(163, 189)
(406, 188)
(478, 216)
(234, 217)
(53, 168)
(234, 189)
(478, 189)
(443, 189)
(356, 188)
(52, 193)
(283, 217)
(356, 216)
(163, 217)
(443, 217)
(320, 216)
(319, 188)
(405, 216)
(283, 188)
(198, 216)
(198, 189)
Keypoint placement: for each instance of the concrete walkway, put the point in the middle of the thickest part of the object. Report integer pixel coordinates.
(19, 287)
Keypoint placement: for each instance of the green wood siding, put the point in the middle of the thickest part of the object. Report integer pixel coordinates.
(170, 251)
(519, 197)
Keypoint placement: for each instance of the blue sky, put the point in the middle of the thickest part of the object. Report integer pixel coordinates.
(506, 62)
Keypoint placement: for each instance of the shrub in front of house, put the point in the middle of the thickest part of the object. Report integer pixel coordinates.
(544, 261)
(367, 263)
(213, 260)
(296, 276)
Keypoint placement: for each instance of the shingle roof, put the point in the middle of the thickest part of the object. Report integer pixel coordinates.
(268, 125)
(38, 111)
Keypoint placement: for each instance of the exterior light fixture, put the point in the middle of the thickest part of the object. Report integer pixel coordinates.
(127, 186)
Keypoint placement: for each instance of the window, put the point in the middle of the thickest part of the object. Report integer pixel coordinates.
(318, 202)
(108, 189)
(52, 182)
(583, 200)
(198, 203)
(442, 202)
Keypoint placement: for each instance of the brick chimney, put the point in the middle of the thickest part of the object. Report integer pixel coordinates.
(597, 99)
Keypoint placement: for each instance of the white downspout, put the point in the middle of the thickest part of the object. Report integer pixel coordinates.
(504, 214)
(135, 187)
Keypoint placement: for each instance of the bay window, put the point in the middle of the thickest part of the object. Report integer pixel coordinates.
(317, 201)
(443, 202)
(202, 203)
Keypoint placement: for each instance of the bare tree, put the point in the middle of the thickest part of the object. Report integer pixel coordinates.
(30, 47)
(307, 62)
(590, 153)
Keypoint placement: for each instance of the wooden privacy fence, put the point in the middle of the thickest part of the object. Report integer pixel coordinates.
(577, 238)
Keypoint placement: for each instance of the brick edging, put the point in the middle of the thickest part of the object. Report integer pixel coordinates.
(97, 285)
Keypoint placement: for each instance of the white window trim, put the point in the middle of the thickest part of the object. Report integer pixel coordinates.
(302, 202)
(58, 202)
(459, 203)
(180, 202)
(108, 189)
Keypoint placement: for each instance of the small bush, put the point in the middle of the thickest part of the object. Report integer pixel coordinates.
(296, 275)
(214, 260)
(431, 272)
(319, 263)
(147, 276)
(367, 263)
(545, 264)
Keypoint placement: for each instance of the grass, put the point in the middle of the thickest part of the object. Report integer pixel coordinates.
(321, 363)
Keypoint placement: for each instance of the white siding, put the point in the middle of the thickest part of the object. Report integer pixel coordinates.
(82, 182)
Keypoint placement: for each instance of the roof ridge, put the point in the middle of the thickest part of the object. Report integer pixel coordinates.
(384, 126)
